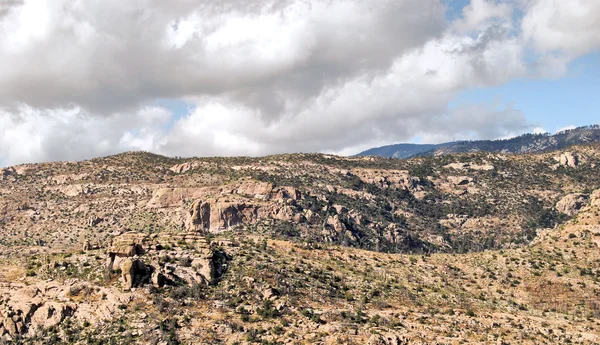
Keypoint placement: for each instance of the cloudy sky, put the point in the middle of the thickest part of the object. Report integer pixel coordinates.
(86, 78)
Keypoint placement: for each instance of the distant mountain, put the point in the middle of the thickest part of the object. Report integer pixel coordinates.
(527, 143)
(400, 150)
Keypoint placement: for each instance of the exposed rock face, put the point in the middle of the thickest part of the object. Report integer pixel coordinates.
(134, 273)
(336, 223)
(6, 172)
(29, 310)
(571, 204)
(246, 203)
(187, 166)
(51, 314)
(567, 159)
(397, 179)
(460, 180)
(219, 216)
(137, 255)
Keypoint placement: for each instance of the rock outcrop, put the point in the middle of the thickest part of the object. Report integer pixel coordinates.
(183, 167)
(6, 172)
(30, 310)
(571, 204)
(139, 258)
(595, 198)
(567, 159)
(396, 179)
(460, 180)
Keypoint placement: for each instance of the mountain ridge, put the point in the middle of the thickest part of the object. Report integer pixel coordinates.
(526, 143)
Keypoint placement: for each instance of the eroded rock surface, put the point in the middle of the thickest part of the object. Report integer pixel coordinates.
(140, 258)
(571, 204)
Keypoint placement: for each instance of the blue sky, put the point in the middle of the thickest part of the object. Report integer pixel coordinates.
(571, 100)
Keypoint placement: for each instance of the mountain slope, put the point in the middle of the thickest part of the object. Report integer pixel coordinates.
(474, 248)
(527, 143)
(401, 150)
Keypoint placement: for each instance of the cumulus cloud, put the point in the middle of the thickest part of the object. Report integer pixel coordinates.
(81, 78)
(483, 13)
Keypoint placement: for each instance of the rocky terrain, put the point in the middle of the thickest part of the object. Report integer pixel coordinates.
(295, 249)
(528, 143)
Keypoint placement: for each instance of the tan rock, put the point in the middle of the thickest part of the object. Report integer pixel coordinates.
(10, 326)
(567, 159)
(336, 223)
(50, 314)
(460, 180)
(6, 172)
(132, 273)
(595, 198)
(183, 167)
(571, 204)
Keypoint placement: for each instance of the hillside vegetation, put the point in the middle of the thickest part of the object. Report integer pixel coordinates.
(477, 248)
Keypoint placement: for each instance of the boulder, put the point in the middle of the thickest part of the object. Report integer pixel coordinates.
(133, 273)
(336, 223)
(211, 266)
(50, 314)
(571, 204)
(567, 159)
(158, 279)
(10, 326)
(270, 293)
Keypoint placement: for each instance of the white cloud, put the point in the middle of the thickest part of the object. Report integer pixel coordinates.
(539, 130)
(483, 13)
(266, 76)
(33, 135)
(569, 27)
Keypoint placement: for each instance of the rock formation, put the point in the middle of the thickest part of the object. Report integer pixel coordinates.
(571, 204)
(138, 257)
(567, 159)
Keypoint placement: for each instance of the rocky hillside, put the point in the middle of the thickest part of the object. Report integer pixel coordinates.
(296, 249)
(528, 143)
(459, 203)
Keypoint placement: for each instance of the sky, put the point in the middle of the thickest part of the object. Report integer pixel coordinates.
(88, 78)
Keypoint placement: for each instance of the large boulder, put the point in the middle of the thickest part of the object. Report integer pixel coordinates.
(50, 314)
(567, 159)
(571, 204)
(133, 273)
(9, 326)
